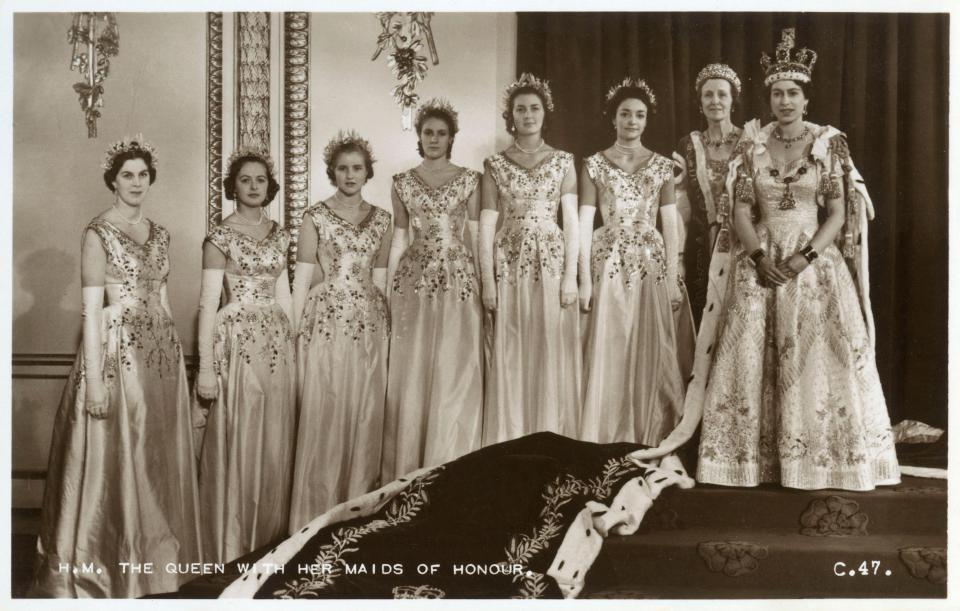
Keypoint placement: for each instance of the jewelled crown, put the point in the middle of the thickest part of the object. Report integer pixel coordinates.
(249, 151)
(788, 65)
(629, 82)
(439, 104)
(129, 143)
(528, 80)
(343, 138)
(718, 71)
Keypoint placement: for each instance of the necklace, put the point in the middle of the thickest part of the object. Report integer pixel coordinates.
(727, 140)
(528, 151)
(240, 220)
(788, 142)
(128, 221)
(344, 204)
(627, 150)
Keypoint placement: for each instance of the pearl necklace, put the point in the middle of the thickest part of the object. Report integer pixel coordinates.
(126, 220)
(344, 204)
(788, 142)
(627, 150)
(240, 220)
(527, 151)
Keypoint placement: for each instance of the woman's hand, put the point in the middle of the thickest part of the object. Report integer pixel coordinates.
(586, 293)
(792, 266)
(676, 295)
(207, 385)
(769, 273)
(568, 290)
(489, 295)
(96, 399)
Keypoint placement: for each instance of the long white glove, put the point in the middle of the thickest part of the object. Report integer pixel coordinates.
(668, 218)
(571, 248)
(302, 278)
(91, 308)
(586, 243)
(211, 285)
(473, 230)
(398, 246)
(487, 234)
(165, 300)
(282, 293)
(380, 279)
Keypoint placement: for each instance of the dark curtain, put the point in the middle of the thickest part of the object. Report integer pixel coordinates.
(880, 78)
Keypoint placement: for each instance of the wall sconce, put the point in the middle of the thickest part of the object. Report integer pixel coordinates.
(91, 53)
(403, 35)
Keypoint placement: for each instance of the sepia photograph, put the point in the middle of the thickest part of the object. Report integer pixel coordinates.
(551, 304)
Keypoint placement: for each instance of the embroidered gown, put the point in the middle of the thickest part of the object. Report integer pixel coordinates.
(793, 395)
(533, 379)
(246, 462)
(633, 389)
(435, 387)
(342, 363)
(123, 488)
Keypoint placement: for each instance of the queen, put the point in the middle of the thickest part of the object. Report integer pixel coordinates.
(785, 375)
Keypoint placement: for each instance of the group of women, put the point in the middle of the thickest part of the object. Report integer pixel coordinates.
(470, 318)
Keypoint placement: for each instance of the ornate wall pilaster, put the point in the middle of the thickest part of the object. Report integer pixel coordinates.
(296, 125)
(214, 118)
(253, 80)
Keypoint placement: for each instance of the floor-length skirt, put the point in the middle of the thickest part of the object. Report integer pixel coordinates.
(342, 379)
(435, 390)
(246, 461)
(633, 389)
(122, 489)
(533, 382)
(794, 395)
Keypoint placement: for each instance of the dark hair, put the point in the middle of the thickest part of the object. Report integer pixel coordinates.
(109, 176)
(230, 180)
(628, 93)
(443, 115)
(508, 111)
(734, 93)
(348, 147)
(806, 88)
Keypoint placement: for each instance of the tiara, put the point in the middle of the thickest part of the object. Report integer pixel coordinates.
(250, 151)
(528, 80)
(442, 105)
(343, 138)
(721, 71)
(128, 143)
(799, 67)
(629, 82)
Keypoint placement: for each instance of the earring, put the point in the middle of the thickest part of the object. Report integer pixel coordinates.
(804, 111)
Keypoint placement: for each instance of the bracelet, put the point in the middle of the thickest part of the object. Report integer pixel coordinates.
(809, 253)
(756, 255)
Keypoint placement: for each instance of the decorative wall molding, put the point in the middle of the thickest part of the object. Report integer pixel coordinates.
(296, 125)
(56, 366)
(253, 80)
(214, 119)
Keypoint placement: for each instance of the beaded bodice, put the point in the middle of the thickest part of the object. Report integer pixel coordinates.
(530, 196)
(629, 198)
(256, 264)
(786, 192)
(530, 241)
(437, 214)
(437, 260)
(135, 272)
(347, 252)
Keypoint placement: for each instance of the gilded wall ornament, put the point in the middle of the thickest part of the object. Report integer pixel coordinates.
(95, 38)
(403, 35)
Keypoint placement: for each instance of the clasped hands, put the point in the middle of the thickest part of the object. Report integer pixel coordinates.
(778, 274)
